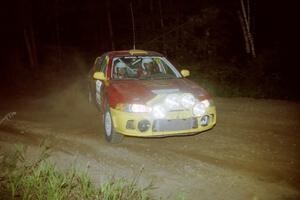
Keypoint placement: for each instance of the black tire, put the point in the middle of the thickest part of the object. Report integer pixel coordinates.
(111, 135)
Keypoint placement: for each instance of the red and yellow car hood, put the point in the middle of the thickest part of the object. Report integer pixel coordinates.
(141, 91)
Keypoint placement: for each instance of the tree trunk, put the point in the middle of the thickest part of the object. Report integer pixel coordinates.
(245, 23)
(177, 33)
(162, 28)
(247, 45)
(58, 42)
(31, 47)
(110, 28)
(26, 18)
(133, 25)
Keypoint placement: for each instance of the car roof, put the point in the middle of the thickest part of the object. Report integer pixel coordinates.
(134, 52)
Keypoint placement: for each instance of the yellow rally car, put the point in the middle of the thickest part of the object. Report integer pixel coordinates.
(140, 93)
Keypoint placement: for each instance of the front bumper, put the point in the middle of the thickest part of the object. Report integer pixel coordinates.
(175, 123)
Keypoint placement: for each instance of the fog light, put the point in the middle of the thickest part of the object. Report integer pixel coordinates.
(195, 123)
(130, 124)
(144, 125)
(204, 120)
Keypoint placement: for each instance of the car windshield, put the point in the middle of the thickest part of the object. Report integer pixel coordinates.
(143, 67)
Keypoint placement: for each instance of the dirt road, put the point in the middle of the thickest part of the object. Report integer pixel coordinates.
(252, 153)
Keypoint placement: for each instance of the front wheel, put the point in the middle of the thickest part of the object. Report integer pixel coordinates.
(110, 134)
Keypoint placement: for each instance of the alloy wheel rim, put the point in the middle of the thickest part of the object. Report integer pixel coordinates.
(108, 124)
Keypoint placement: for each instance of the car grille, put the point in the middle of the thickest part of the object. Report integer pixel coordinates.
(174, 124)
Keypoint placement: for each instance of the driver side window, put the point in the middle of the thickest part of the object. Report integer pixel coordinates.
(97, 63)
(103, 65)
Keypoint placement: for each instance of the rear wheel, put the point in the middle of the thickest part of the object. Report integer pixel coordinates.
(110, 134)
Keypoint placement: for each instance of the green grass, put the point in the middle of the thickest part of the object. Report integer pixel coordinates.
(40, 179)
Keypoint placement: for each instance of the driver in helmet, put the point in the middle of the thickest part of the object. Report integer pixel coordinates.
(120, 70)
(148, 67)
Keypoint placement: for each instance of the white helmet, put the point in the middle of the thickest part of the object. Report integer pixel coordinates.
(120, 65)
(146, 61)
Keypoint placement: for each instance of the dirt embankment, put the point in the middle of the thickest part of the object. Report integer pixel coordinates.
(252, 153)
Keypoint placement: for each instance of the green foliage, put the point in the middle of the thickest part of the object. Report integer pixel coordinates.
(211, 43)
(204, 36)
(40, 179)
(233, 79)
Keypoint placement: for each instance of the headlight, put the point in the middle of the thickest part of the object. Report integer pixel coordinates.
(172, 101)
(206, 103)
(199, 109)
(135, 108)
(139, 108)
(188, 100)
(158, 112)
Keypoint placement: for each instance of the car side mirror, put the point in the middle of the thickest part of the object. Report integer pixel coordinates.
(185, 73)
(99, 76)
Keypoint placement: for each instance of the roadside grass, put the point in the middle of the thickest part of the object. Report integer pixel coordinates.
(40, 179)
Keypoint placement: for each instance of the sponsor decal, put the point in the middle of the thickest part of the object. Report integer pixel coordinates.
(98, 98)
(98, 85)
(165, 91)
(158, 83)
(98, 91)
